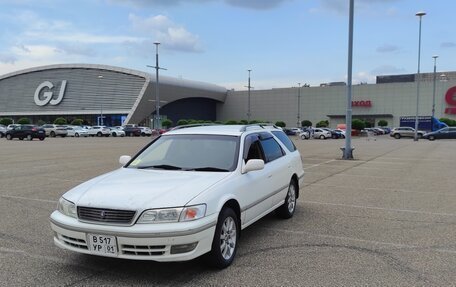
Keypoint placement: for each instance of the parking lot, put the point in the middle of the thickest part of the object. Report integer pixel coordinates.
(386, 218)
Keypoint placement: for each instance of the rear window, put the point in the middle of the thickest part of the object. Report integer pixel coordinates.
(285, 140)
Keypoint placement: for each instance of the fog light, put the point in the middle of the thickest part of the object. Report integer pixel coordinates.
(182, 248)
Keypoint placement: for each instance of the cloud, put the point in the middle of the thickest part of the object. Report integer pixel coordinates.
(248, 4)
(256, 4)
(387, 70)
(163, 30)
(448, 45)
(387, 48)
(341, 6)
(7, 58)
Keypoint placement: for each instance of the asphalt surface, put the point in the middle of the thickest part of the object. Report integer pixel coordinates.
(387, 218)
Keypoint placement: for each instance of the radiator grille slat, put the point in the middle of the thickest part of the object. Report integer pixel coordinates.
(106, 215)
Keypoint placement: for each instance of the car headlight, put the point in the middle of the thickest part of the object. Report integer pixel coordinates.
(177, 214)
(67, 207)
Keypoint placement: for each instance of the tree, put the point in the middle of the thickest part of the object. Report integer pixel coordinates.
(77, 122)
(24, 121)
(449, 122)
(167, 123)
(231, 122)
(60, 121)
(244, 122)
(358, 124)
(322, 124)
(6, 121)
(382, 123)
(306, 123)
(182, 122)
(281, 124)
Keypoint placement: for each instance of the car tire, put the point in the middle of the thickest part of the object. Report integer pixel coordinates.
(99, 134)
(419, 135)
(113, 134)
(29, 137)
(224, 244)
(397, 136)
(143, 134)
(41, 139)
(431, 138)
(21, 139)
(1, 135)
(9, 137)
(287, 209)
(52, 134)
(76, 135)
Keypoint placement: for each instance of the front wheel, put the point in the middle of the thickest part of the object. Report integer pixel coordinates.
(397, 136)
(431, 138)
(224, 244)
(76, 135)
(287, 209)
(29, 137)
(9, 137)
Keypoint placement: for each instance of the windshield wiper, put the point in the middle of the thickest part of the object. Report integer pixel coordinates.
(208, 168)
(161, 166)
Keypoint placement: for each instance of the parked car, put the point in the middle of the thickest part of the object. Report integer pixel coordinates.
(335, 134)
(12, 126)
(117, 132)
(405, 132)
(305, 135)
(29, 132)
(187, 193)
(319, 133)
(145, 131)
(445, 133)
(2, 131)
(55, 130)
(99, 131)
(77, 131)
(342, 132)
(131, 131)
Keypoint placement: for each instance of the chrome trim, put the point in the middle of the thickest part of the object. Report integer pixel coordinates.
(263, 199)
(135, 235)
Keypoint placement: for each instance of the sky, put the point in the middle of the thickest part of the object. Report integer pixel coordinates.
(282, 42)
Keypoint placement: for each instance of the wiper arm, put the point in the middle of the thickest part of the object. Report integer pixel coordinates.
(209, 168)
(161, 166)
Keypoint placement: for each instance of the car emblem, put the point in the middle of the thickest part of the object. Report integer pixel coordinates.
(103, 214)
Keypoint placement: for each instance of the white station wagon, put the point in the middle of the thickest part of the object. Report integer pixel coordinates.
(189, 192)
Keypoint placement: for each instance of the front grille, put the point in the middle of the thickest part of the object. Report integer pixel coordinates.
(144, 250)
(106, 215)
(75, 242)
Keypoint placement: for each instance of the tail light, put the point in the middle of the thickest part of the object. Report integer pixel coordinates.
(34, 129)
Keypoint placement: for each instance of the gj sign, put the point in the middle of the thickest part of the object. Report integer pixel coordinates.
(450, 98)
(48, 96)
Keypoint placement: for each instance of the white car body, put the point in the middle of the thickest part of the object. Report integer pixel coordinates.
(251, 188)
(117, 132)
(99, 131)
(321, 134)
(2, 131)
(145, 131)
(77, 132)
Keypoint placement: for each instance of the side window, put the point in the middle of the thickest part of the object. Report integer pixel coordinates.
(272, 149)
(252, 148)
(285, 140)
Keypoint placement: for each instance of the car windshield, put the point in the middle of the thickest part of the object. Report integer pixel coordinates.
(191, 153)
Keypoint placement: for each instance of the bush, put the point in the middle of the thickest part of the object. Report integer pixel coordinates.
(306, 123)
(6, 121)
(77, 122)
(24, 121)
(244, 122)
(60, 121)
(382, 123)
(231, 122)
(449, 122)
(167, 123)
(257, 122)
(322, 124)
(281, 124)
(358, 124)
(182, 122)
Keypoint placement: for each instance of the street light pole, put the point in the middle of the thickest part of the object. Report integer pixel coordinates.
(433, 90)
(157, 122)
(298, 124)
(101, 108)
(415, 137)
(348, 150)
(248, 99)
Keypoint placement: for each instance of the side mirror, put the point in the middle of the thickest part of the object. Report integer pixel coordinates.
(252, 165)
(124, 159)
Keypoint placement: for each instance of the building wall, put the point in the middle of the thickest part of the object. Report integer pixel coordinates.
(389, 102)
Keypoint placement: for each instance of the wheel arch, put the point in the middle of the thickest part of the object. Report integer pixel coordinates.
(234, 205)
(296, 181)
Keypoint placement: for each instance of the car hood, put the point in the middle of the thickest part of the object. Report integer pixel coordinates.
(139, 189)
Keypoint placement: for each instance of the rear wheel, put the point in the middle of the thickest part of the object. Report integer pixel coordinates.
(9, 137)
(431, 138)
(397, 136)
(98, 134)
(41, 139)
(224, 244)
(114, 134)
(52, 134)
(287, 209)
(322, 137)
(76, 135)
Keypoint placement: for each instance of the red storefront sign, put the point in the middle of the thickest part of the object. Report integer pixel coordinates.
(450, 98)
(365, 104)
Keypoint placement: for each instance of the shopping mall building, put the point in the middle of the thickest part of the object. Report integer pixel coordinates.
(115, 96)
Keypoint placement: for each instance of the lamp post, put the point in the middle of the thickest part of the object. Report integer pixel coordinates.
(415, 137)
(298, 124)
(348, 150)
(248, 99)
(433, 90)
(100, 77)
(157, 122)
(443, 79)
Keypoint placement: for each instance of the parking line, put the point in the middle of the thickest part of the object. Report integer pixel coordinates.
(318, 164)
(377, 188)
(396, 245)
(26, 198)
(381, 208)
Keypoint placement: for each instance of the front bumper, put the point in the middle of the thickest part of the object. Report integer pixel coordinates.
(139, 241)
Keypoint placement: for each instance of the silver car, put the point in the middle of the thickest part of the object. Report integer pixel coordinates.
(400, 132)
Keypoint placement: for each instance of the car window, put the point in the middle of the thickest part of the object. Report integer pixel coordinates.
(271, 149)
(285, 140)
(254, 151)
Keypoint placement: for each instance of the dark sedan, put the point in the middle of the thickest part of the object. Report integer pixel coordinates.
(132, 131)
(29, 132)
(445, 133)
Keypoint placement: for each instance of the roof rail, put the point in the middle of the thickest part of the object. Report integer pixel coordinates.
(260, 125)
(192, 125)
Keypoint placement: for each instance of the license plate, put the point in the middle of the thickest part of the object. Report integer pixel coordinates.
(102, 244)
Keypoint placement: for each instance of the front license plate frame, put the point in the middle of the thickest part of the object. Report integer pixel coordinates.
(105, 245)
